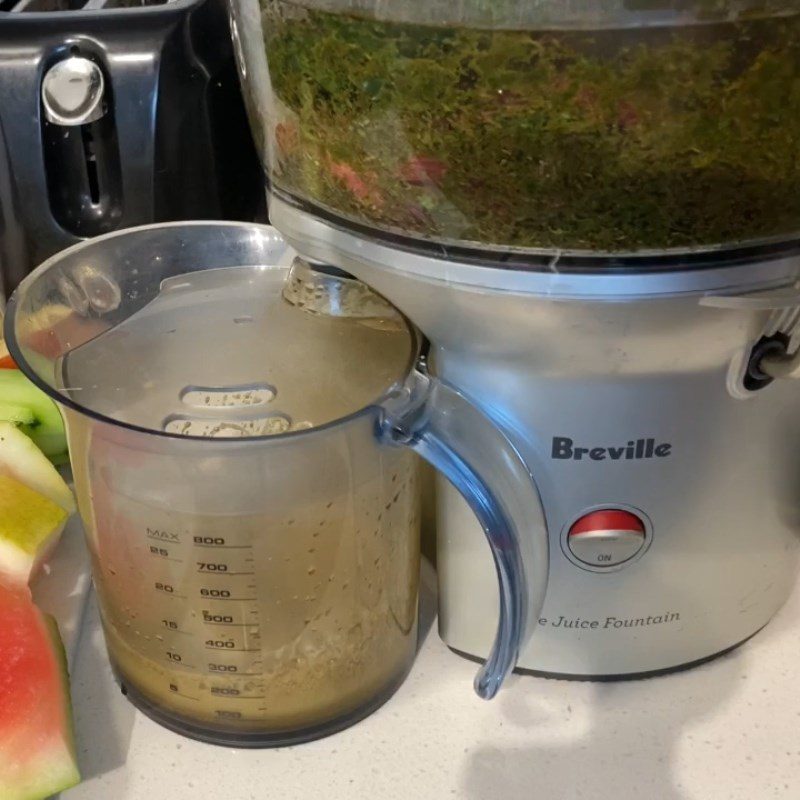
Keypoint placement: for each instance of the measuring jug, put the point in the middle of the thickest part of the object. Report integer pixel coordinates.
(243, 440)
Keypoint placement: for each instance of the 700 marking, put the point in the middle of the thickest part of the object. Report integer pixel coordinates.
(216, 568)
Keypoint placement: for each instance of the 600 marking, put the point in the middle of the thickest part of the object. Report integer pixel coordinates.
(215, 593)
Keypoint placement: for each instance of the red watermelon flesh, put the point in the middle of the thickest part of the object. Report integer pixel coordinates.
(37, 752)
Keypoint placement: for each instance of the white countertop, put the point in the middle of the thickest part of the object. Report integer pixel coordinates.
(728, 730)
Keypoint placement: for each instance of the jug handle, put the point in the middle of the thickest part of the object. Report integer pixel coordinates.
(447, 430)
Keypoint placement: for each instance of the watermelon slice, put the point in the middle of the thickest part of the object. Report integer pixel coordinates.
(6, 362)
(30, 526)
(22, 460)
(37, 750)
(47, 428)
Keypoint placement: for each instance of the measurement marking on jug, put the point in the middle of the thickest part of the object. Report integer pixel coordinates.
(163, 536)
(168, 589)
(172, 627)
(233, 649)
(232, 669)
(240, 696)
(219, 569)
(219, 543)
(177, 658)
(163, 553)
(230, 624)
(227, 546)
(174, 689)
(237, 715)
(229, 599)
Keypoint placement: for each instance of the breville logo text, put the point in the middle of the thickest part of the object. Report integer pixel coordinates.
(564, 448)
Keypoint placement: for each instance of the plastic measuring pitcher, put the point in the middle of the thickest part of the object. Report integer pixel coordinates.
(243, 440)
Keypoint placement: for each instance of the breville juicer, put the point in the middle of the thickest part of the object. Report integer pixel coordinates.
(591, 210)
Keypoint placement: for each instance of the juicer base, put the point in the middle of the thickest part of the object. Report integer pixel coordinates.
(625, 676)
(285, 738)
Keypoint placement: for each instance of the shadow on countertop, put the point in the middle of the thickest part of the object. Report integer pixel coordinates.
(103, 719)
(624, 744)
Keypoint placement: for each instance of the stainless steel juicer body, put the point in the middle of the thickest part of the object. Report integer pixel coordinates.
(626, 391)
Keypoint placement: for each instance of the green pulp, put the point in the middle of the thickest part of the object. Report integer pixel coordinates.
(612, 141)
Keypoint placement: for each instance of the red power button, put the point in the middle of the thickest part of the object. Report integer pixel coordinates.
(607, 537)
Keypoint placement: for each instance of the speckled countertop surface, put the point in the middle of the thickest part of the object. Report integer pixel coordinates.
(729, 730)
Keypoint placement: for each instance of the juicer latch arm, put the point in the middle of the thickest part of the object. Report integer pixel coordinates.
(770, 357)
(455, 437)
(764, 300)
(777, 363)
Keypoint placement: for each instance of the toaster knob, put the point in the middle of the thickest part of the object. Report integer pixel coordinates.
(72, 92)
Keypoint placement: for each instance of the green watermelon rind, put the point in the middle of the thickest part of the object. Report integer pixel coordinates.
(65, 775)
(47, 430)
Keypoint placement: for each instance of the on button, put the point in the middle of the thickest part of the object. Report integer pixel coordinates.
(606, 538)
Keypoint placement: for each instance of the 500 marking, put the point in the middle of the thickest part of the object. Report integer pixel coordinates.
(224, 619)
